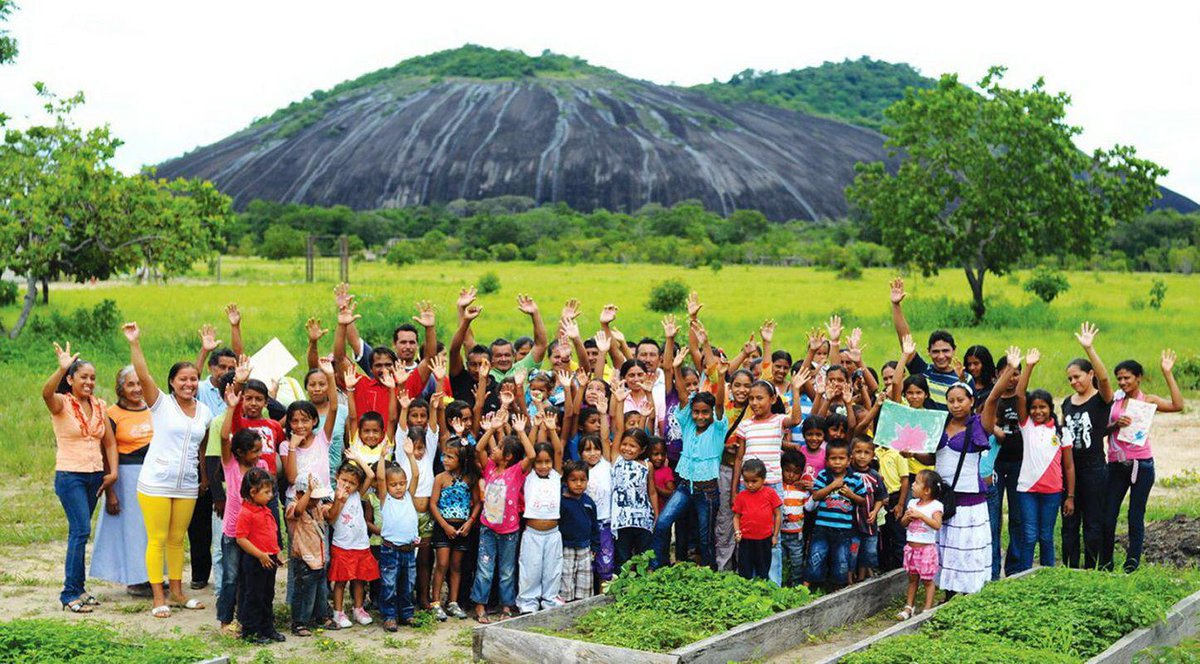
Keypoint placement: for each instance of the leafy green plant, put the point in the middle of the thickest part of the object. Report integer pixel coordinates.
(8, 293)
(489, 283)
(94, 324)
(669, 295)
(1047, 284)
(41, 640)
(1158, 292)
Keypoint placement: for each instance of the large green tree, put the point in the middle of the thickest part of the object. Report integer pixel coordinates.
(988, 177)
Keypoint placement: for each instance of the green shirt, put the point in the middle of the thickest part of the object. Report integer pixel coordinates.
(527, 363)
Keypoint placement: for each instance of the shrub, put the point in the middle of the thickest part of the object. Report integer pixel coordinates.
(1158, 292)
(283, 242)
(851, 269)
(1137, 303)
(669, 295)
(41, 640)
(507, 252)
(1047, 284)
(401, 254)
(489, 283)
(8, 293)
(95, 324)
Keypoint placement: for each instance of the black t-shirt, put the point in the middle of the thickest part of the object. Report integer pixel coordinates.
(1085, 427)
(1012, 448)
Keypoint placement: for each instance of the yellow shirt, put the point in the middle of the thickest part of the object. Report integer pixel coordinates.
(892, 467)
(915, 466)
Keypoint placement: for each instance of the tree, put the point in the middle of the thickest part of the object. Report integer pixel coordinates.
(282, 241)
(8, 45)
(65, 210)
(986, 179)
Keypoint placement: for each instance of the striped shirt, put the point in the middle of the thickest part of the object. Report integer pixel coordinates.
(939, 381)
(763, 440)
(794, 499)
(836, 510)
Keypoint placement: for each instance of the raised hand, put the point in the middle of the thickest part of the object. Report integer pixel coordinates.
(617, 335)
(400, 375)
(1013, 354)
(957, 365)
(404, 399)
(408, 448)
(700, 332)
(816, 339)
(519, 377)
(1168, 360)
(341, 295)
(1086, 335)
(65, 357)
(350, 377)
(563, 377)
(131, 331)
(485, 368)
(241, 373)
(387, 379)
(569, 327)
(231, 396)
(620, 392)
(679, 359)
(233, 314)
(834, 327)
(749, 347)
(465, 297)
(208, 338)
(908, 346)
(526, 305)
(458, 426)
(767, 331)
(694, 305)
(608, 314)
(519, 421)
(801, 378)
(847, 393)
(670, 327)
(425, 316)
(898, 290)
(722, 367)
(1032, 357)
(437, 364)
(314, 329)
(855, 338)
(648, 383)
(472, 312)
(506, 399)
(326, 365)
(603, 343)
(346, 315)
(570, 310)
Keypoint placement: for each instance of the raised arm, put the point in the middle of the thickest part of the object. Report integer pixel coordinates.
(670, 329)
(693, 308)
(526, 304)
(466, 315)
(908, 348)
(834, 328)
(1176, 403)
(343, 299)
(137, 358)
(1031, 359)
(313, 355)
(898, 319)
(1086, 336)
(767, 333)
(519, 421)
(346, 318)
(208, 343)
(50, 395)
(796, 416)
(426, 319)
(235, 328)
(988, 416)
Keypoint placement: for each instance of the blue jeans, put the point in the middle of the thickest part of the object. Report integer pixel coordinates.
(702, 503)
(1007, 473)
(310, 596)
(1119, 483)
(397, 577)
(864, 551)
(1039, 511)
(497, 558)
(793, 551)
(995, 519)
(231, 555)
(77, 493)
(830, 550)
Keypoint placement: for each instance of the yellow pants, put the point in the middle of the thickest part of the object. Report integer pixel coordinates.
(167, 522)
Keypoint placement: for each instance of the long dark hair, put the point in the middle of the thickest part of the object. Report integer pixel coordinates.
(468, 465)
(987, 365)
(63, 386)
(174, 371)
(305, 407)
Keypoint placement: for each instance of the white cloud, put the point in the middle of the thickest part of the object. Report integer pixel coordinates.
(171, 76)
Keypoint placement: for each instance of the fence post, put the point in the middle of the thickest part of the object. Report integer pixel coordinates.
(308, 262)
(344, 264)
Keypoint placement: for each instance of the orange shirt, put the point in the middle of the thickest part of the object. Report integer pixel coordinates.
(133, 428)
(78, 436)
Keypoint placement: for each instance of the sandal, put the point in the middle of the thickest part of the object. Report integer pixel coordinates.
(88, 600)
(905, 613)
(505, 614)
(191, 604)
(301, 631)
(163, 611)
(77, 606)
(330, 625)
(483, 619)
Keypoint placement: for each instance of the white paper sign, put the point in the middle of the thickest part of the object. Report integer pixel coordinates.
(273, 362)
(1140, 414)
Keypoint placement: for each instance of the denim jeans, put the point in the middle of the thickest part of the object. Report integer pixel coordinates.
(397, 578)
(1007, 473)
(1039, 511)
(1091, 481)
(702, 504)
(77, 493)
(864, 551)
(830, 550)
(231, 555)
(1119, 476)
(497, 558)
(776, 575)
(793, 552)
(995, 520)
(310, 595)
(217, 551)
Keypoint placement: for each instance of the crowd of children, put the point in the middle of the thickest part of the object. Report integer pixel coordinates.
(474, 477)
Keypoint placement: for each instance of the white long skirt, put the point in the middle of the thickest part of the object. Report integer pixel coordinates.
(965, 550)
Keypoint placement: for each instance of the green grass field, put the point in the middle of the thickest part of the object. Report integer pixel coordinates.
(737, 299)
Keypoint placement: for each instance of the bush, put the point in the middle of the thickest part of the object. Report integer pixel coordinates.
(489, 283)
(669, 295)
(283, 242)
(41, 640)
(1158, 292)
(95, 324)
(1137, 303)
(401, 254)
(8, 293)
(507, 252)
(1047, 284)
(851, 269)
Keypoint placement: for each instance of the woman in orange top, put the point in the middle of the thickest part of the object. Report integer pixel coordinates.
(119, 550)
(82, 473)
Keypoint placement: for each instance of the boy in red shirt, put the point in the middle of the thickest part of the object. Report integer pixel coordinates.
(756, 521)
(257, 535)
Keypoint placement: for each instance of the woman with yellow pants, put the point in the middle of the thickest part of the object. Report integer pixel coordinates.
(172, 476)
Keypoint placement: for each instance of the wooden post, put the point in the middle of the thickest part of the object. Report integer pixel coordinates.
(344, 264)
(308, 262)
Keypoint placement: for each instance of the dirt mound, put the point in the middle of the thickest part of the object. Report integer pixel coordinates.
(1175, 541)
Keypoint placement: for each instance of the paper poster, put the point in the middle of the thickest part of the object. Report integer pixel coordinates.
(1140, 414)
(272, 363)
(909, 429)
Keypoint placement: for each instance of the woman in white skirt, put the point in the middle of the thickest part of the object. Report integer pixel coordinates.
(119, 554)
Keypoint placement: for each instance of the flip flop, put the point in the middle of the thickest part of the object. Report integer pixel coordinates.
(483, 619)
(163, 611)
(77, 606)
(88, 600)
(192, 604)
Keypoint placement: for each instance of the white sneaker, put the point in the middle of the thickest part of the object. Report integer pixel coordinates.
(361, 615)
(342, 621)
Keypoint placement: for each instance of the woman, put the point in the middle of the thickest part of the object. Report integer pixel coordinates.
(979, 363)
(172, 476)
(1085, 426)
(323, 394)
(120, 548)
(1131, 466)
(80, 431)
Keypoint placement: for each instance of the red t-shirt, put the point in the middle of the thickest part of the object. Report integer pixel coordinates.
(269, 430)
(256, 524)
(757, 510)
(371, 395)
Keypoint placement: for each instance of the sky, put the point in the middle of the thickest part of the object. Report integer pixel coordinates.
(170, 76)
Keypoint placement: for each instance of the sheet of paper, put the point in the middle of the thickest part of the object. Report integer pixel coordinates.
(915, 430)
(1141, 414)
(272, 362)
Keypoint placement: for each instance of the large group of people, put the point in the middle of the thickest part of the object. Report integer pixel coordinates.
(486, 479)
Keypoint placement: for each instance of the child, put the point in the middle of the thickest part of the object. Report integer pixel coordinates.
(580, 533)
(455, 507)
(756, 521)
(813, 430)
(791, 530)
(417, 425)
(504, 471)
(1047, 461)
(864, 545)
(634, 500)
(664, 486)
(367, 432)
(350, 556)
(239, 454)
(397, 557)
(540, 567)
(305, 452)
(248, 413)
(922, 518)
(837, 492)
(593, 450)
(309, 558)
(257, 535)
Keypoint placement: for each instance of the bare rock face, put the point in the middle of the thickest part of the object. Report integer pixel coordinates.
(593, 141)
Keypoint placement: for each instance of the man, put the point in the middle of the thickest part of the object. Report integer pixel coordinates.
(504, 358)
(650, 354)
(464, 375)
(945, 370)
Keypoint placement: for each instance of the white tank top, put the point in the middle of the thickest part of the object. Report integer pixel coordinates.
(350, 528)
(543, 495)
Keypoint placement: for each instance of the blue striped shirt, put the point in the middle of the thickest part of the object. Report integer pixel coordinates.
(836, 510)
